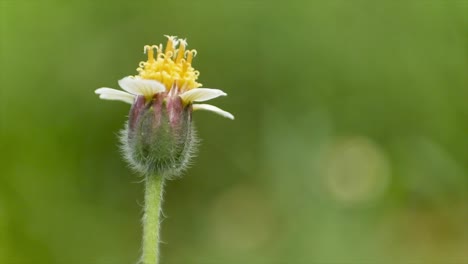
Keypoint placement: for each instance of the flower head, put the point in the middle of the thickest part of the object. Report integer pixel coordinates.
(170, 72)
(159, 136)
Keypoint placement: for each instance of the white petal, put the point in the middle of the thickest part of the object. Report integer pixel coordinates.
(213, 108)
(141, 87)
(105, 90)
(201, 94)
(113, 94)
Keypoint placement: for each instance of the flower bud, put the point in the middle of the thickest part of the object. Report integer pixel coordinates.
(159, 137)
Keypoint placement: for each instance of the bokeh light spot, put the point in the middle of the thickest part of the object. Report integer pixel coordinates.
(355, 170)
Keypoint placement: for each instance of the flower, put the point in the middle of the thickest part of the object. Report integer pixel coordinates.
(171, 74)
(159, 137)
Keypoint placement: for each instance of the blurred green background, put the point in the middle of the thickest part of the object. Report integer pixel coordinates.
(349, 144)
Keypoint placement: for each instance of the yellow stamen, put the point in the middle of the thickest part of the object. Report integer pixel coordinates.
(149, 49)
(168, 68)
(170, 46)
(181, 50)
(190, 56)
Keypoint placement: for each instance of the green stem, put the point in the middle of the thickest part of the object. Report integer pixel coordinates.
(153, 198)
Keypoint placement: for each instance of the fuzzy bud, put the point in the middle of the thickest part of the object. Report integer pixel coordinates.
(159, 137)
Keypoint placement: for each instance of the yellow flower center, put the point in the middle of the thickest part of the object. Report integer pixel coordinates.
(172, 66)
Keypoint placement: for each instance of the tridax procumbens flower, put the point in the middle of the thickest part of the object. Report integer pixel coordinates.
(159, 136)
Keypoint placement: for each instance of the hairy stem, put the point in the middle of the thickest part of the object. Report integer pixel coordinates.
(151, 219)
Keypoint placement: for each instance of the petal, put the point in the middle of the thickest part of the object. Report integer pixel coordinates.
(201, 94)
(113, 94)
(141, 87)
(213, 108)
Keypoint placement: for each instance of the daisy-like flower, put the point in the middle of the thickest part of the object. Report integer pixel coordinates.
(159, 136)
(170, 73)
